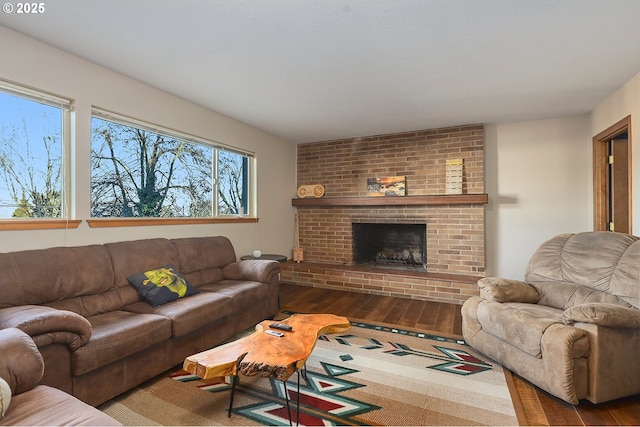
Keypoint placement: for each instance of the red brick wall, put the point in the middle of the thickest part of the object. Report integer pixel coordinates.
(455, 233)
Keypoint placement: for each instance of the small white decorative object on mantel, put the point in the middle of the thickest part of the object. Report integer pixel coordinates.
(315, 190)
(454, 176)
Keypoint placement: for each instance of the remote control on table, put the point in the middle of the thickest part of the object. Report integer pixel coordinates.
(281, 326)
(274, 333)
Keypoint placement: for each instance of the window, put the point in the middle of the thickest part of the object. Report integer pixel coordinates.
(33, 136)
(141, 170)
(233, 182)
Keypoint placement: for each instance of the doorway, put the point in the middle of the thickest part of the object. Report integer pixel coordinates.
(612, 178)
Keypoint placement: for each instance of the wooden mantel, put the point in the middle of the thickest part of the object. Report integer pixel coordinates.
(449, 199)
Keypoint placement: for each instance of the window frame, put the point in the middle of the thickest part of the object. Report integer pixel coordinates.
(68, 220)
(67, 107)
(249, 216)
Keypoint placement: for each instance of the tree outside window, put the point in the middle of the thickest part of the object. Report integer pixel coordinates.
(142, 173)
(136, 170)
(233, 182)
(31, 157)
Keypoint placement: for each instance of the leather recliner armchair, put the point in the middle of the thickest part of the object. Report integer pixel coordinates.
(572, 327)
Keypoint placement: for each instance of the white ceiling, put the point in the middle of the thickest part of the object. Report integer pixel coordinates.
(309, 70)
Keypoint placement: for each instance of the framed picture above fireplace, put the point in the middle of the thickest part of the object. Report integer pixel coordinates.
(387, 186)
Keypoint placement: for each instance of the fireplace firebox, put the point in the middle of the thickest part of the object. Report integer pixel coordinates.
(390, 245)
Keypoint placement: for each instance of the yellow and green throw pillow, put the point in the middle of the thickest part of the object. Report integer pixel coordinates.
(161, 285)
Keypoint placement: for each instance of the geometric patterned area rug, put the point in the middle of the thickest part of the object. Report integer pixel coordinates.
(369, 375)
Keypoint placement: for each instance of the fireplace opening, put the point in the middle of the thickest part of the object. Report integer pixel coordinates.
(390, 245)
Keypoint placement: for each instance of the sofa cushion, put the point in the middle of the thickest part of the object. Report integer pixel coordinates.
(562, 295)
(241, 294)
(624, 282)
(204, 277)
(602, 261)
(520, 324)
(48, 275)
(48, 406)
(116, 335)
(189, 314)
(202, 258)
(134, 256)
(609, 315)
(200, 253)
(590, 259)
(161, 285)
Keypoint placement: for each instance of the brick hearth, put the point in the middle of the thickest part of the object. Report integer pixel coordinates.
(455, 233)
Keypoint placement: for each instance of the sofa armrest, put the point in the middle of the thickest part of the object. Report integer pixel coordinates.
(254, 270)
(21, 364)
(507, 290)
(47, 325)
(603, 314)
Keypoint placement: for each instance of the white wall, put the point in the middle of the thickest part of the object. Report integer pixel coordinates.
(624, 102)
(539, 177)
(32, 63)
(539, 181)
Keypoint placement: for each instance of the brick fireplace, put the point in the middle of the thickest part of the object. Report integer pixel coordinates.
(454, 225)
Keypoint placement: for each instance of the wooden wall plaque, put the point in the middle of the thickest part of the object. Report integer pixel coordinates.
(315, 190)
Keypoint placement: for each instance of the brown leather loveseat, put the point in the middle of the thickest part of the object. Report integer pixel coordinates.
(98, 337)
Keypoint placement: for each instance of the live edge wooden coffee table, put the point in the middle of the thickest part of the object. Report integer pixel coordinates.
(263, 354)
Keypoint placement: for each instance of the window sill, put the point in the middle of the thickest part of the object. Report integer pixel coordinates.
(140, 222)
(50, 224)
(38, 224)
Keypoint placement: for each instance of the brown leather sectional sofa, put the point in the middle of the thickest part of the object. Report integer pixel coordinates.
(99, 338)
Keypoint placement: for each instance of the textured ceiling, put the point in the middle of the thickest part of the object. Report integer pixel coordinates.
(314, 70)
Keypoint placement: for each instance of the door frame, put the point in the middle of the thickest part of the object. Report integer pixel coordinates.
(600, 173)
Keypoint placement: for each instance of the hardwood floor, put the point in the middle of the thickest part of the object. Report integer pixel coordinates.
(533, 406)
